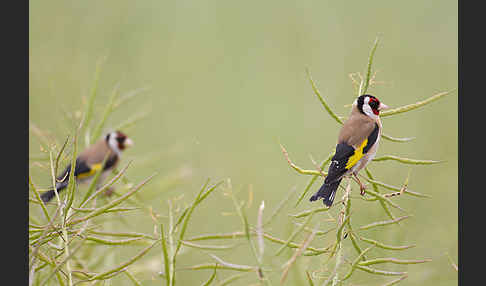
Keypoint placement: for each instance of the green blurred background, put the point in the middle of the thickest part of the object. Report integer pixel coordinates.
(227, 83)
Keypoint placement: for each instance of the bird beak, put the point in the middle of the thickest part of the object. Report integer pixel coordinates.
(383, 106)
(128, 142)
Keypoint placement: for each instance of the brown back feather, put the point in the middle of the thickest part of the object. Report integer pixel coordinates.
(356, 128)
(95, 153)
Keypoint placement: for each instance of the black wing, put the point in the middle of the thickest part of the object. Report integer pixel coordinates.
(371, 139)
(84, 169)
(344, 152)
(110, 162)
(81, 168)
(338, 162)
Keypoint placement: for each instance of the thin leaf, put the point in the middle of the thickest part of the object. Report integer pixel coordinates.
(297, 168)
(123, 265)
(399, 189)
(210, 280)
(295, 233)
(405, 160)
(383, 223)
(280, 206)
(413, 106)
(93, 93)
(165, 255)
(106, 186)
(130, 95)
(368, 70)
(188, 216)
(132, 278)
(299, 251)
(385, 199)
(385, 246)
(309, 278)
(318, 232)
(392, 260)
(379, 272)
(122, 234)
(108, 110)
(375, 188)
(316, 251)
(396, 139)
(71, 188)
(59, 154)
(233, 266)
(181, 217)
(314, 178)
(355, 262)
(69, 256)
(231, 279)
(309, 212)
(113, 242)
(231, 235)
(131, 121)
(323, 102)
(112, 204)
(393, 282)
(113, 210)
(454, 265)
(207, 247)
(37, 195)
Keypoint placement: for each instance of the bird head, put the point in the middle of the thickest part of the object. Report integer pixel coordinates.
(369, 105)
(118, 141)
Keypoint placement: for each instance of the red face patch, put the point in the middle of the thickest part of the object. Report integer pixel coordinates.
(120, 138)
(374, 104)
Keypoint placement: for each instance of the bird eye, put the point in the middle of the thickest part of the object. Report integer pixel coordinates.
(374, 103)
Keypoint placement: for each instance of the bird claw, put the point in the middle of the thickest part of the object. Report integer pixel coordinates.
(362, 189)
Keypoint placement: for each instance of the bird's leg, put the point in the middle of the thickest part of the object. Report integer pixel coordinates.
(362, 187)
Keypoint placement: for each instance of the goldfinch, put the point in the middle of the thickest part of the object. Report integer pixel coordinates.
(90, 161)
(357, 144)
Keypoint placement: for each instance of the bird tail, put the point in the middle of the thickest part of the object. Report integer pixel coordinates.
(47, 196)
(327, 191)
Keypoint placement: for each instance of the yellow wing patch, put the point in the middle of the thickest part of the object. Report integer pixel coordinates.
(358, 154)
(95, 168)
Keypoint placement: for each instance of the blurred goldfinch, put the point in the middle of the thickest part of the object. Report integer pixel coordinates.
(91, 160)
(357, 144)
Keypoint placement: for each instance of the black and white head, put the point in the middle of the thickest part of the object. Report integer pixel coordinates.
(369, 105)
(118, 141)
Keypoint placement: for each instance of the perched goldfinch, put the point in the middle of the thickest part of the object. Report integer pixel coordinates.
(357, 144)
(90, 161)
